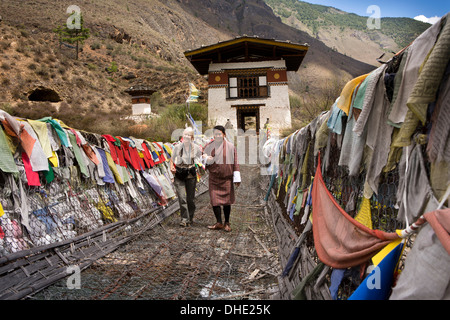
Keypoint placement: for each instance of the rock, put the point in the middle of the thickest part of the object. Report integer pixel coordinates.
(129, 76)
(119, 35)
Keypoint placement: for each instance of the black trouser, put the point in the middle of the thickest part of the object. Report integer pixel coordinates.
(218, 213)
(186, 197)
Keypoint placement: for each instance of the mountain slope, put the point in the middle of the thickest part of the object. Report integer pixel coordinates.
(347, 32)
(146, 40)
(321, 65)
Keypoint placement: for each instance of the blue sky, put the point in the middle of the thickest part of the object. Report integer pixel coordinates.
(391, 8)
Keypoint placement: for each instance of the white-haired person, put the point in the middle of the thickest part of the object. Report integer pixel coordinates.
(184, 156)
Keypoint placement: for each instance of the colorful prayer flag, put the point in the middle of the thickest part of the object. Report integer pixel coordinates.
(193, 93)
(377, 285)
(341, 241)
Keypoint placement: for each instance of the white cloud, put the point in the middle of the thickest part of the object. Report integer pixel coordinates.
(431, 20)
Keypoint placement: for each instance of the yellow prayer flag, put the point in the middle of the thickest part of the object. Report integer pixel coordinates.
(288, 182)
(54, 159)
(345, 99)
(364, 215)
(193, 90)
(113, 168)
(376, 259)
(193, 93)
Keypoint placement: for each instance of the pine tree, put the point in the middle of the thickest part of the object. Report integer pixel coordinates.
(74, 32)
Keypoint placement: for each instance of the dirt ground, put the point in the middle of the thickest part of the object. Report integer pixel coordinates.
(171, 262)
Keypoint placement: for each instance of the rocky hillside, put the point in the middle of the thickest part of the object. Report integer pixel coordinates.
(321, 66)
(135, 43)
(347, 32)
(140, 41)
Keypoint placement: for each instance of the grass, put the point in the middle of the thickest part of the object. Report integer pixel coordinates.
(172, 117)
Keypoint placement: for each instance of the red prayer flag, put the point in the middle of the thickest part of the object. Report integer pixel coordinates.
(148, 155)
(440, 222)
(341, 241)
(32, 176)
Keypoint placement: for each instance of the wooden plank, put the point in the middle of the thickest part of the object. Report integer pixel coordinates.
(246, 255)
(260, 242)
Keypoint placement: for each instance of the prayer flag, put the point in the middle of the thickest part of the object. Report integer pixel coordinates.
(345, 98)
(377, 285)
(32, 176)
(365, 215)
(340, 240)
(193, 93)
(385, 251)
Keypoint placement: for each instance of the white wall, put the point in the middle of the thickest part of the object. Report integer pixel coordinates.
(277, 107)
(141, 108)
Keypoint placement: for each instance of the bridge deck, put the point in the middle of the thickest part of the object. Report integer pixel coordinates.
(174, 262)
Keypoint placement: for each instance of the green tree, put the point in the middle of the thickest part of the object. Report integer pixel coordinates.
(73, 31)
(113, 68)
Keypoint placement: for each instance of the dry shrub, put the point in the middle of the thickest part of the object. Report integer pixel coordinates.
(172, 118)
(161, 128)
(307, 107)
(35, 110)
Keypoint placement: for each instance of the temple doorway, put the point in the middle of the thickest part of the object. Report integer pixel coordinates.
(248, 118)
